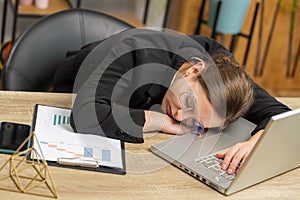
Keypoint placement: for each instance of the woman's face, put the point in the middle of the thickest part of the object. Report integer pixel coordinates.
(186, 99)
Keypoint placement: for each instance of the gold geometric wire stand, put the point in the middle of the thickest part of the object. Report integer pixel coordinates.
(27, 176)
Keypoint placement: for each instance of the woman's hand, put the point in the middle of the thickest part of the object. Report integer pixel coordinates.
(156, 121)
(235, 156)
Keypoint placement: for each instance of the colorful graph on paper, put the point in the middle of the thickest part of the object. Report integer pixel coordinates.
(57, 139)
(70, 150)
(59, 119)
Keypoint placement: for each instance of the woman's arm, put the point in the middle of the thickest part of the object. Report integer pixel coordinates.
(155, 121)
(264, 107)
(98, 107)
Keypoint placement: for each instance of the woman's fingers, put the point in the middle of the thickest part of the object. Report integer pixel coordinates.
(232, 157)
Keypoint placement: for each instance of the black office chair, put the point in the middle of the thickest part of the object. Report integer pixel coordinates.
(38, 51)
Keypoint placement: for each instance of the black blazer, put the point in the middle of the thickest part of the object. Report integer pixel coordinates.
(130, 72)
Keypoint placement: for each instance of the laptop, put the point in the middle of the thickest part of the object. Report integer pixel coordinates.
(276, 152)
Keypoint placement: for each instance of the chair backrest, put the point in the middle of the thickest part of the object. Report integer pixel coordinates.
(38, 51)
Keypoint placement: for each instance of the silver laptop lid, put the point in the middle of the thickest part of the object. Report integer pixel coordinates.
(276, 152)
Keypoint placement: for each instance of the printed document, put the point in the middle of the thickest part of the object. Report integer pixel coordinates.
(57, 140)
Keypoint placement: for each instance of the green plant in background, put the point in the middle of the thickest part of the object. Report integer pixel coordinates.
(291, 5)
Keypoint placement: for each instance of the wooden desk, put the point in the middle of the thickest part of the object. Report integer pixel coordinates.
(148, 177)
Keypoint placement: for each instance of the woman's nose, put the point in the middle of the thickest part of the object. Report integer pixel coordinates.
(178, 115)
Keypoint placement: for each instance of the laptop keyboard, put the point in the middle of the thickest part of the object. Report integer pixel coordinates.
(214, 164)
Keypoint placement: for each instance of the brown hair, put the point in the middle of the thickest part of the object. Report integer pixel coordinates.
(235, 86)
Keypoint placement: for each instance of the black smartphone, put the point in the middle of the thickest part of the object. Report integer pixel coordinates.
(12, 135)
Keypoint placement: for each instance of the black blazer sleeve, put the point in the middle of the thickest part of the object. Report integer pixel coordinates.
(97, 106)
(264, 107)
